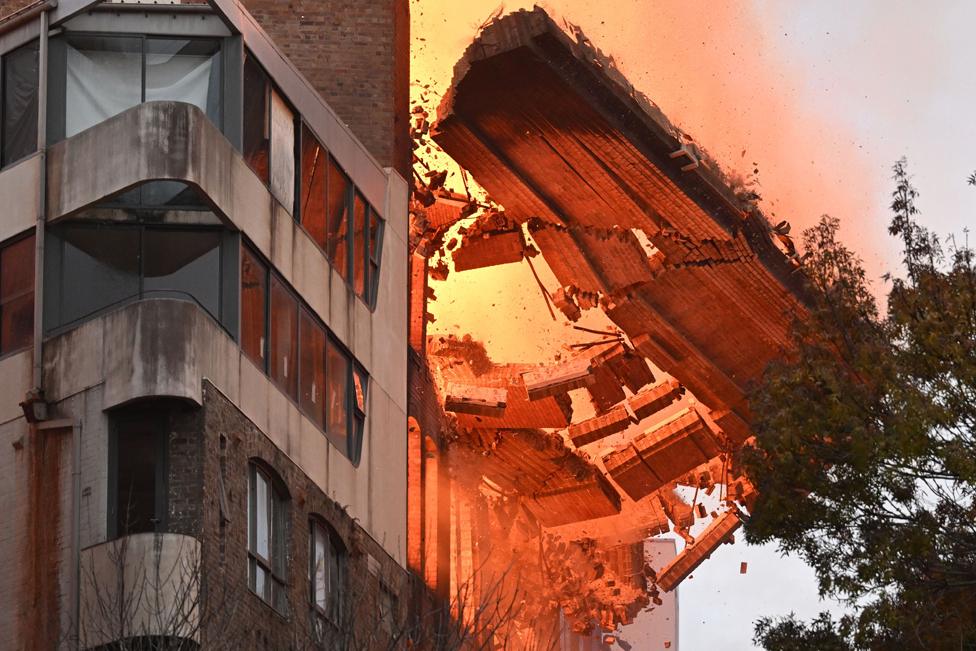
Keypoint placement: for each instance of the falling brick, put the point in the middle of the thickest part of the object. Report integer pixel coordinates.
(559, 378)
(743, 567)
(594, 429)
(693, 555)
(489, 250)
(475, 400)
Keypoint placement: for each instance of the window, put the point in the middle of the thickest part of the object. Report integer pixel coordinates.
(359, 250)
(266, 538)
(138, 473)
(103, 265)
(106, 75)
(314, 164)
(257, 118)
(16, 295)
(375, 249)
(254, 302)
(19, 109)
(312, 340)
(284, 338)
(282, 151)
(337, 396)
(360, 381)
(303, 358)
(389, 608)
(338, 198)
(327, 573)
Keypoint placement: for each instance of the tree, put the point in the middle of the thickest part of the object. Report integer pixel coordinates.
(865, 454)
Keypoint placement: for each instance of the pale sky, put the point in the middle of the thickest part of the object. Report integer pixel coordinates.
(822, 97)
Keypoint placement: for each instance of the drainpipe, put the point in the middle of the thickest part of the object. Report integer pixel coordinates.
(39, 227)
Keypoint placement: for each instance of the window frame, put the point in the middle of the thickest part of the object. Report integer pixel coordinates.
(66, 37)
(275, 568)
(371, 260)
(4, 163)
(141, 294)
(334, 609)
(355, 418)
(6, 244)
(159, 419)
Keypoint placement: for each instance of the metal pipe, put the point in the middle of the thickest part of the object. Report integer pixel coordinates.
(39, 227)
(26, 14)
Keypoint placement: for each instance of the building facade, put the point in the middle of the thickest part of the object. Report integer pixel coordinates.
(203, 344)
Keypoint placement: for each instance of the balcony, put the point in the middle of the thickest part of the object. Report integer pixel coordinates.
(138, 587)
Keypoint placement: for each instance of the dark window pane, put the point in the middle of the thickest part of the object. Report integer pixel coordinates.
(312, 208)
(19, 103)
(284, 338)
(139, 474)
(100, 268)
(17, 269)
(337, 396)
(184, 71)
(17, 323)
(313, 368)
(254, 293)
(338, 207)
(359, 246)
(104, 78)
(161, 195)
(183, 264)
(256, 119)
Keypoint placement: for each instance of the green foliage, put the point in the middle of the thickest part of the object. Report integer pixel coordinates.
(866, 441)
(790, 634)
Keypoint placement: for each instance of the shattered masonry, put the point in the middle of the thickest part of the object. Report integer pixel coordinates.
(635, 220)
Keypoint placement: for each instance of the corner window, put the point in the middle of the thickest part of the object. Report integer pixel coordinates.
(99, 266)
(327, 573)
(266, 538)
(257, 118)
(105, 75)
(19, 108)
(137, 473)
(16, 295)
(359, 250)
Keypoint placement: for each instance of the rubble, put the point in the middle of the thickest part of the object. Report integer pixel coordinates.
(717, 533)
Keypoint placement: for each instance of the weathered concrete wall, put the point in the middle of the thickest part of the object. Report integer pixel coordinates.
(17, 187)
(166, 348)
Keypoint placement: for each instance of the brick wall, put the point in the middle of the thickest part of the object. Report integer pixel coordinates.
(356, 54)
(240, 619)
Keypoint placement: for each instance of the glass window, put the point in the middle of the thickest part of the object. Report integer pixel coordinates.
(257, 125)
(282, 151)
(327, 572)
(17, 295)
(359, 249)
(311, 210)
(337, 396)
(183, 264)
(375, 244)
(312, 368)
(184, 70)
(338, 214)
(19, 137)
(266, 538)
(254, 301)
(284, 338)
(99, 268)
(104, 78)
(139, 481)
(360, 386)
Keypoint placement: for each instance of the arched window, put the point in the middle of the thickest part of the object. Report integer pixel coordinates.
(266, 537)
(327, 573)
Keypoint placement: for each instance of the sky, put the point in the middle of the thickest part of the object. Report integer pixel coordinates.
(821, 97)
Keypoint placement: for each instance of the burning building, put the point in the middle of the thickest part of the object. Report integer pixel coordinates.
(229, 420)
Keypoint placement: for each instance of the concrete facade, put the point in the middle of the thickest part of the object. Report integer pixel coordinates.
(224, 411)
